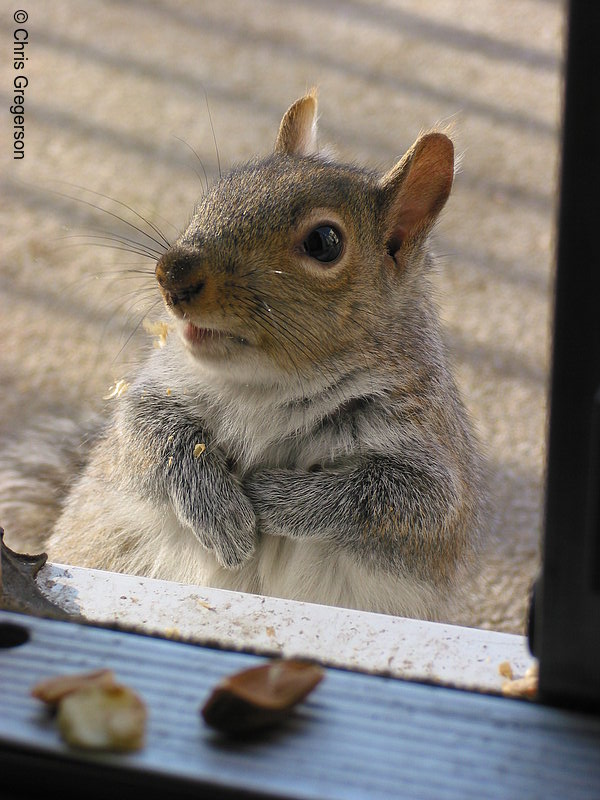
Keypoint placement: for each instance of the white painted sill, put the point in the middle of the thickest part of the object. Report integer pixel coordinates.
(467, 658)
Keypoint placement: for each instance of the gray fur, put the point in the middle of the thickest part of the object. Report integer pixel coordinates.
(337, 462)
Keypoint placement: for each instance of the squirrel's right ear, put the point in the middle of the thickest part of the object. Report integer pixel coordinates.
(417, 188)
(298, 130)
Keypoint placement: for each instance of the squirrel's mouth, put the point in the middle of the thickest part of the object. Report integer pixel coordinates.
(197, 337)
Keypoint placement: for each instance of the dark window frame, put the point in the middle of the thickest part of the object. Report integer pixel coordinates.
(565, 632)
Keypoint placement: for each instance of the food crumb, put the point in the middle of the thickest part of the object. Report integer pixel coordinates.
(505, 670)
(158, 329)
(526, 687)
(522, 687)
(199, 449)
(169, 392)
(533, 671)
(117, 389)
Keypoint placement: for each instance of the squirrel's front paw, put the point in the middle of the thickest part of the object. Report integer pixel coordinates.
(229, 532)
(210, 501)
(270, 492)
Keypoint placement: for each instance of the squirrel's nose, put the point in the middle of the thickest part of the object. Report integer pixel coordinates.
(178, 275)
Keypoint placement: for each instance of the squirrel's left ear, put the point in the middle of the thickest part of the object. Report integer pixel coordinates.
(298, 130)
(417, 188)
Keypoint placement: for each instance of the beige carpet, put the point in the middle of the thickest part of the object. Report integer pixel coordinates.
(116, 90)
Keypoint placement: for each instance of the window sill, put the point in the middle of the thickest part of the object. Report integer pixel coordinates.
(466, 658)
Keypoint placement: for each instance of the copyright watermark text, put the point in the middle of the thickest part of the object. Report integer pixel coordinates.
(20, 82)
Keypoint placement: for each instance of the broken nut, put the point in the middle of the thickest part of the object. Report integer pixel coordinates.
(260, 696)
(93, 711)
(102, 718)
(53, 690)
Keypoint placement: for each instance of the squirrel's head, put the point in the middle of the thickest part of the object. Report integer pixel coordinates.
(293, 267)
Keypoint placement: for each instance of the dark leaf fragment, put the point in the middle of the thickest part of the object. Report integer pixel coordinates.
(18, 589)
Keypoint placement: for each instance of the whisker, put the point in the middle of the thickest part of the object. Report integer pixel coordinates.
(123, 249)
(96, 236)
(243, 275)
(136, 329)
(212, 127)
(132, 297)
(254, 294)
(168, 222)
(144, 219)
(256, 319)
(293, 327)
(82, 280)
(302, 331)
(278, 331)
(189, 146)
(126, 272)
(162, 241)
(270, 327)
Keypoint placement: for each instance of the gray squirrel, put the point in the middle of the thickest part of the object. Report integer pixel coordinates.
(300, 433)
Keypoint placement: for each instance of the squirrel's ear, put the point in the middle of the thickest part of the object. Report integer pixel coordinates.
(298, 130)
(417, 189)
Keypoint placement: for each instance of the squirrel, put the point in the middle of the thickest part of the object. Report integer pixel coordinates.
(300, 434)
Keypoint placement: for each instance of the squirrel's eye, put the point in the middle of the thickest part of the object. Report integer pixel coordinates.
(324, 244)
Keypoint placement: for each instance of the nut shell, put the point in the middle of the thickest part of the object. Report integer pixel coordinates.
(52, 690)
(260, 696)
